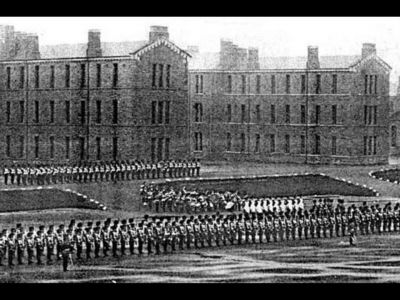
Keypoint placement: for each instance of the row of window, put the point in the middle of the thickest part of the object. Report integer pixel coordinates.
(370, 84)
(67, 76)
(245, 87)
(160, 148)
(160, 112)
(370, 114)
(51, 147)
(158, 78)
(67, 107)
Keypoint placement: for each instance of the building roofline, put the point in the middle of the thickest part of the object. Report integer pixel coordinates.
(272, 70)
(77, 58)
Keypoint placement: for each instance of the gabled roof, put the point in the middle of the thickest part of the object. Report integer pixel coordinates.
(162, 41)
(380, 61)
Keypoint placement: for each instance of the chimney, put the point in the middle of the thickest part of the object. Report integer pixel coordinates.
(312, 58)
(253, 61)
(7, 42)
(158, 32)
(94, 44)
(368, 49)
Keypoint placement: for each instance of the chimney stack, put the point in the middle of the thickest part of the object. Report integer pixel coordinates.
(94, 44)
(158, 32)
(368, 49)
(253, 61)
(312, 58)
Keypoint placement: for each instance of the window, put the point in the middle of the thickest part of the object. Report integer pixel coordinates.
(36, 111)
(52, 77)
(375, 114)
(366, 84)
(318, 84)
(115, 75)
(166, 150)
(67, 76)
(365, 145)
(317, 149)
(36, 146)
(82, 148)
(394, 136)
(98, 75)
(198, 145)
(287, 114)
(83, 75)
(168, 78)
(229, 113)
(334, 84)
(67, 111)
(21, 77)
(333, 142)
(8, 111)
(37, 79)
(258, 84)
(198, 108)
(52, 147)
(98, 111)
(272, 143)
(8, 78)
(197, 77)
(83, 112)
(303, 84)
(51, 111)
(160, 148)
(257, 145)
(302, 114)
(98, 148)
(287, 143)
(242, 142)
(167, 112)
(21, 111)
(365, 114)
(201, 84)
(115, 111)
(317, 113)
(243, 84)
(243, 114)
(228, 142)
(153, 112)
(375, 145)
(21, 146)
(376, 84)
(369, 115)
(371, 83)
(153, 149)
(334, 114)
(8, 145)
(302, 144)
(229, 86)
(154, 75)
(273, 85)
(67, 146)
(160, 111)
(160, 75)
(369, 145)
(287, 84)
(258, 113)
(273, 119)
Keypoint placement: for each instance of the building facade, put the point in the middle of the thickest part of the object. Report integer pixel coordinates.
(328, 110)
(95, 107)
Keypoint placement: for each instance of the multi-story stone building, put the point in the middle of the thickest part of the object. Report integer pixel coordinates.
(93, 106)
(332, 109)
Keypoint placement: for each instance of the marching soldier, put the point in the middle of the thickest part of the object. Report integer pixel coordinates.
(345, 224)
(115, 241)
(25, 174)
(30, 245)
(141, 237)
(12, 174)
(59, 239)
(3, 245)
(132, 231)
(67, 247)
(183, 234)
(89, 241)
(50, 243)
(40, 244)
(11, 247)
(78, 241)
(307, 225)
(255, 230)
(325, 225)
(158, 234)
(198, 167)
(21, 245)
(248, 229)
(6, 174)
(97, 240)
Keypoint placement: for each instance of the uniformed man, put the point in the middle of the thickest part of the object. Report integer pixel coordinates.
(25, 174)
(141, 238)
(30, 245)
(12, 174)
(78, 241)
(6, 174)
(67, 247)
(50, 239)
(40, 243)
(198, 167)
(3, 245)
(11, 247)
(115, 239)
(183, 234)
(20, 245)
(59, 234)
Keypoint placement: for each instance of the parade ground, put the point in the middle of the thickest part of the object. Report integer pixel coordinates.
(374, 258)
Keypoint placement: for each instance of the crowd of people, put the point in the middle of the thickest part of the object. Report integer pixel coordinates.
(103, 171)
(163, 198)
(165, 234)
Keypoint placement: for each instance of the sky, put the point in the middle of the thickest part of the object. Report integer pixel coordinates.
(274, 36)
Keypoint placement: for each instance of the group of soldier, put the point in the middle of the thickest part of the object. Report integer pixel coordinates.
(102, 171)
(162, 198)
(166, 234)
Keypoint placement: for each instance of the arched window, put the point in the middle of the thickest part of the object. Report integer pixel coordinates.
(394, 136)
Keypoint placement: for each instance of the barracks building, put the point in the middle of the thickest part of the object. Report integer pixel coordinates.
(101, 101)
(152, 100)
(328, 109)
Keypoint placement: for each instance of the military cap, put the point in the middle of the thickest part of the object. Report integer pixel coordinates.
(19, 225)
(61, 226)
(96, 228)
(146, 216)
(98, 223)
(116, 222)
(108, 220)
(80, 225)
(72, 221)
(30, 233)
(89, 224)
(31, 228)
(51, 226)
(4, 231)
(130, 220)
(69, 230)
(87, 229)
(123, 222)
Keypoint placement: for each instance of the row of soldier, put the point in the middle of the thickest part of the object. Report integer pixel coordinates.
(151, 235)
(102, 171)
(161, 198)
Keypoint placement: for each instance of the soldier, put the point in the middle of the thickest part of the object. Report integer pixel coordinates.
(344, 224)
(11, 247)
(300, 226)
(275, 228)
(114, 237)
(50, 243)
(78, 241)
(6, 174)
(313, 225)
(183, 234)
(132, 231)
(20, 245)
(59, 239)
(67, 247)
(325, 225)
(158, 234)
(197, 167)
(338, 222)
(352, 234)
(97, 240)
(117, 171)
(3, 245)
(307, 225)
(379, 219)
(124, 237)
(269, 228)
(105, 237)
(89, 241)
(30, 245)
(255, 230)
(248, 229)
(25, 174)
(141, 237)
(12, 174)
(390, 219)
(40, 243)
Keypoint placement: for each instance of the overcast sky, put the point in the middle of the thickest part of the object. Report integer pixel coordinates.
(274, 36)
